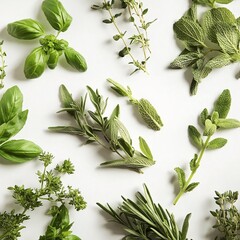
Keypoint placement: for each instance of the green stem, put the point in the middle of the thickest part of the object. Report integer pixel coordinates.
(182, 191)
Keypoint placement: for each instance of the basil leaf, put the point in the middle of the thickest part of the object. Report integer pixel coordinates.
(56, 15)
(10, 104)
(145, 148)
(217, 143)
(223, 104)
(25, 29)
(19, 150)
(53, 59)
(35, 63)
(13, 126)
(72, 237)
(75, 59)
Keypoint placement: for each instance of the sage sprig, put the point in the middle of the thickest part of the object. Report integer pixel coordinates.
(135, 13)
(50, 190)
(146, 110)
(51, 48)
(12, 120)
(109, 132)
(211, 123)
(210, 43)
(227, 216)
(143, 219)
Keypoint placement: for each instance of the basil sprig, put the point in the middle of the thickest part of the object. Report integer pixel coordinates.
(51, 48)
(12, 120)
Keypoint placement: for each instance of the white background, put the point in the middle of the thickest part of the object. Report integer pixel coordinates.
(168, 90)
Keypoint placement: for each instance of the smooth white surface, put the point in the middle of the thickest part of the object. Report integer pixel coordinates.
(168, 90)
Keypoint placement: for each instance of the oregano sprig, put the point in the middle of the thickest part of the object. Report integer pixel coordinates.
(211, 123)
(136, 15)
(108, 132)
(145, 108)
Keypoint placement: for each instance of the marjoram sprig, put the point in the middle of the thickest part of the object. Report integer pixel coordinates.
(211, 123)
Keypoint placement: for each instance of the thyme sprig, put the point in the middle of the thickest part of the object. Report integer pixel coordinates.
(217, 120)
(108, 132)
(136, 15)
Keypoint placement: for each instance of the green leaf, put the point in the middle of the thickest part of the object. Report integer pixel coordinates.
(10, 104)
(19, 150)
(223, 104)
(200, 70)
(217, 143)
(221, 60)
(67, 129)
(192, 13)
(194, 87)
(115, 113)
(53, 59)
(56, 15)
(119, 88)
(195, 136)
(122, 131)
(210, 128)
(25, 29)
(189, 31)
(181, 177)
(213, 17)
(126, 147)
(191, 186)
(193, 163)
(185, 227)
(185, 60)
(224, 1)
(35, 63)
(13, 126)
(204, 116)
(145, 148)
(149, 114)
(72, 237)
(65, 97)
(228, 123)
(75, 59)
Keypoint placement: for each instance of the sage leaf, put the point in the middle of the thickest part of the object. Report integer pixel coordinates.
(217, 143)
(75, 59)
(195, 136)
(191, 186)
(189, 31)
(185, 60)
(67, 129)
(19, 150)
(193, 87)
(10, 104)
(126, 147)
(56, 15)
(149, 114)
(181, 177)
(35, 63)
(122, 131)
(119, 88)
(115, 113)
(26, 29)
(228, 123)
(221, 60)
(223, 104)
(145, 148)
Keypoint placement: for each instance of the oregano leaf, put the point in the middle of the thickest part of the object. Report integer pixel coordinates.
(181, 177)
(217, 143)
(223, 104)
(191, 186)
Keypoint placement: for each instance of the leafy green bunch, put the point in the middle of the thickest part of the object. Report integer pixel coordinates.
(51, 190)
(212, 3)
(109, 132)
(145, 220)
(3, 65)
(145, 108)
(12, 120)
(51, 47)
(210, 43)
(211, 123)
(135, 13)
(227, 216)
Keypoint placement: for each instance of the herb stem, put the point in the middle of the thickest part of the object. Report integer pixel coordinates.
(182, 191)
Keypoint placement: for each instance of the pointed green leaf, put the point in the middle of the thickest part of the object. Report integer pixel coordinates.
(217, 143)
(119, 88)
(203, 116)
(181, 177)
(145, 148)
(195, 136)
(193, 163)
(228, 123)
(185, 60)
(65, 97)
(221, 60)
(185, 227)
(191, 186)
(126, 147)
(223, 104)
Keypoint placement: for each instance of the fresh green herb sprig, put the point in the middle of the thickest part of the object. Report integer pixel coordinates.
(212, 3)
(210, 43)
(227, 216)
(51, 47)
(51, 190)
(145, 220)
(109, 132)
(145, 108)
(217, 120)
(2, 65)
(136, 15)
(12, 120)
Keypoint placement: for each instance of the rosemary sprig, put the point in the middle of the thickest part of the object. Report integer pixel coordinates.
(136, 13)
(109, 132)
(145, 220)
(217, 120)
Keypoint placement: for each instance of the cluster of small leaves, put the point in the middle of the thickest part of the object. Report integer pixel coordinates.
(51, 48)
(217, 120)
(59, 227)
(109, 132)
(227, 216)
(3, 65)
(135, 13)
(144, 219)
(210, 43)
(51, 189)
(12, 120)
(145, 108)
(211, 3)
